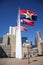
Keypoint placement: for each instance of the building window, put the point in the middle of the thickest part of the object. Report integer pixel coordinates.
(8, 41)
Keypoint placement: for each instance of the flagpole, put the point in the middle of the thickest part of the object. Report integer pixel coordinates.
(18, 39)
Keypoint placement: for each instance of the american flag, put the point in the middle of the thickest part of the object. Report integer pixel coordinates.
(22, 28)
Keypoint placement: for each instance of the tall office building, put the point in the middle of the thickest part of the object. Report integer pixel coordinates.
(24, 39)
(35, 41)
(39, 38)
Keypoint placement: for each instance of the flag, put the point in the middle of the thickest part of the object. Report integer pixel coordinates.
(22, 28)
(28, 15)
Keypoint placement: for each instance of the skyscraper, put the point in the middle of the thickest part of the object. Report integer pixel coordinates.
(39, 38)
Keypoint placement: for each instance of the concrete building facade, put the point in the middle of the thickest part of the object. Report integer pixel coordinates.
(39, 41)
(9, 42)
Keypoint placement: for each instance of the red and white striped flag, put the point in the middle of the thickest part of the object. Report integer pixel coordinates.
(22, 28)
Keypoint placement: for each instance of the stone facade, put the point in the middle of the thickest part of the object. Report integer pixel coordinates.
(9, 42)
(39, 43)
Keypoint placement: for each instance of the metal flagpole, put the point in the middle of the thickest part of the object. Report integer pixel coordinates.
(18, 39)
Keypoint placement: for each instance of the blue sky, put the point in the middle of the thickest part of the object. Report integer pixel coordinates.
(9, 12)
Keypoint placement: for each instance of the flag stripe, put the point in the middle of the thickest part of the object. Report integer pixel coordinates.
(25, 11)
(28, 22)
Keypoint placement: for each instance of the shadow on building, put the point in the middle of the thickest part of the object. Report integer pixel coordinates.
(2, 53)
